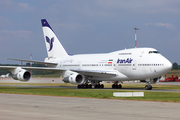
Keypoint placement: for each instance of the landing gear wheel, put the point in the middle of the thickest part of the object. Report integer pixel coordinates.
(101, 86)
(90, 86)
(119, 86)
(98, 86)
(148, 87)
(116, 86)
(79, 86)
(82, 86)
(113, 86)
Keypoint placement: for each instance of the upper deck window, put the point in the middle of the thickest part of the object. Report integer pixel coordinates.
(125, 53)
(156, 52)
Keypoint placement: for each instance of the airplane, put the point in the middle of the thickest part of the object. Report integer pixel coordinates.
(5, 76)
(87, 70)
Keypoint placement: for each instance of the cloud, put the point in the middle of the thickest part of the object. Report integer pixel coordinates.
(142, 6)
(24, 5)
(10, 5)
(166, 25)
(21, 35)
(73, 26)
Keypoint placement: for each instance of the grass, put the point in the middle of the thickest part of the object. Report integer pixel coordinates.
(124, 86)
(174, 72)
(93, 93)
(47, 76)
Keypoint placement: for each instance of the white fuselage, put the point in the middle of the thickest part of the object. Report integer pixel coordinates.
(130, 64)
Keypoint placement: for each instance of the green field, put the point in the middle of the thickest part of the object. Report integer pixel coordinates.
(95, 93)
(174, 72)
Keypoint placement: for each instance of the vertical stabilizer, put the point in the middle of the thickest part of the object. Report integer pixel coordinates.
(53, 45)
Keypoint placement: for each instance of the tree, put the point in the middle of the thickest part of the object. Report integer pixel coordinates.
(175, 66)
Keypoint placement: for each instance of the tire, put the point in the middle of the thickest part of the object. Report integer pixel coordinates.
(79, 86)
(150, 87)
(101, 86)
(86, 86)
(113, 86)
(146, 87)
(116, 86)
(119, 86)
(82, 86)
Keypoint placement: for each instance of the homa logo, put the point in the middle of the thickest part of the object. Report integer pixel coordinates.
(128, 60)
(50, 41)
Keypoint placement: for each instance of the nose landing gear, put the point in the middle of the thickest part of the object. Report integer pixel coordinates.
(148, 87)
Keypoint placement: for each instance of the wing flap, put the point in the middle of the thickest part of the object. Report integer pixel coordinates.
(98, 73)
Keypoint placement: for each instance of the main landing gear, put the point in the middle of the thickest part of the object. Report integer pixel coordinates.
(116, 86)
(86, 86)
(99, 85)
(82, 86)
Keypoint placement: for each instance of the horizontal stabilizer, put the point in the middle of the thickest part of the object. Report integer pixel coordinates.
(39, 62)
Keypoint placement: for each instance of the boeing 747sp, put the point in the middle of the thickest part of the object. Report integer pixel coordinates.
(87, 70)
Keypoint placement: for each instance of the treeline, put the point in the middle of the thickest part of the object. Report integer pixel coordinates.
(34, 72)
(175, 66)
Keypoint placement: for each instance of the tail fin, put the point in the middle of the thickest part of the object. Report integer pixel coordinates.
(53, 45)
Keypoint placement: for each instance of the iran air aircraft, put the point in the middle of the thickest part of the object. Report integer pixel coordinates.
(87, 70)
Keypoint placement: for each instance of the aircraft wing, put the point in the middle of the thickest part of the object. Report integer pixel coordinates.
(39, 62)
(99, 73)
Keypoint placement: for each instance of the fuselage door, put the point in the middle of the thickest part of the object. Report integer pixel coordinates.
(141, 54)
(79, 64)
(134, 65)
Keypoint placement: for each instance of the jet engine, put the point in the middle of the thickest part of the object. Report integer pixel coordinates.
(74, 78)
(21, 74)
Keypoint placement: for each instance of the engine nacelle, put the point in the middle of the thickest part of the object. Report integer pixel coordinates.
(74, 78)
(22, 75)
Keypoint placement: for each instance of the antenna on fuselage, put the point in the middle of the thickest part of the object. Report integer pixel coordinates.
(136, 37)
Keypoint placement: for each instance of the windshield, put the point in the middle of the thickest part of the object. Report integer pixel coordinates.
(150, 52)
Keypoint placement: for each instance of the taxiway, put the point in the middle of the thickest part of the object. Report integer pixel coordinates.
(28, 107)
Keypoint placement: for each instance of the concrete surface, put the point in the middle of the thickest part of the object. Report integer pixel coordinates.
(31, 107)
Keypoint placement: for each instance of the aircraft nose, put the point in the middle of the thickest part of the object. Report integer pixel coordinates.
(168, 65)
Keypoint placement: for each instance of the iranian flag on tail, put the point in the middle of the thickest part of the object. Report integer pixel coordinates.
(110, 61)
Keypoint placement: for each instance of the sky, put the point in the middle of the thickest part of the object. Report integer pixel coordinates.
(89, 26)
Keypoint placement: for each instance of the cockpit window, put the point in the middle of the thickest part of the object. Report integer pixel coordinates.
(156, 52)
